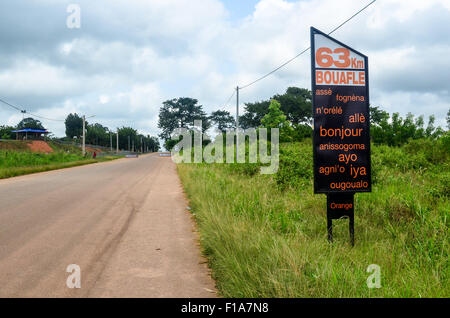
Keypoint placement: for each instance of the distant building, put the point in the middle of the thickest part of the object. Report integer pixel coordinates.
(30, 134)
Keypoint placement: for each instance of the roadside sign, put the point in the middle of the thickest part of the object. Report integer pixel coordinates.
(341, 138)
(340, 205)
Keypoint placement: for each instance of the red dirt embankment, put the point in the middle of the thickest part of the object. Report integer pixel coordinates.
(90, 149)
(39, 146)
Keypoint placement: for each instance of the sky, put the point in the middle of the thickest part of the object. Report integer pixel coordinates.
(128, 56)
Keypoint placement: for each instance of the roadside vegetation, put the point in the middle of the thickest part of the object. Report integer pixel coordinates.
(96, 134)
(17, 159)
(16, 163)
(266, 236)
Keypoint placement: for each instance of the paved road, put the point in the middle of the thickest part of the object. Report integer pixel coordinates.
(123, 222)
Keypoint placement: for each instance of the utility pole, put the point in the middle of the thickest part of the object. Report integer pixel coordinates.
(133, 146)
(129, 143)
(110, 141)
(237, 122)
(117, 140)
(142, 146)
(83, 146)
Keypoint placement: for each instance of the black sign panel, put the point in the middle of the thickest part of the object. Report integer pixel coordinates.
(341, 140)
(340, 205)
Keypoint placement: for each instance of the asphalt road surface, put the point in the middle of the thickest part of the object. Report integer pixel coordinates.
(124, 223)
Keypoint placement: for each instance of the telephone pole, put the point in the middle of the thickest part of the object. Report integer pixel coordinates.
(110, 141)
(117, 140)
(83, 146)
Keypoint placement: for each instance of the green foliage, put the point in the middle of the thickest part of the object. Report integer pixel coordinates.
(170, 143)
(275, 118)
(295, 104)
(97, 135)
(247, 169)
(295, 167)
(301, 131)
(16, 163)
(180, 113)
(265, 235)
(74, 126)
(396, 131)
(30, 123)
(10, 159)
(6, 132)
(448, 119)
(222, 119)
(253, 114)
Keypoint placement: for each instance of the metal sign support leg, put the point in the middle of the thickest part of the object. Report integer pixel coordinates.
(339, 206)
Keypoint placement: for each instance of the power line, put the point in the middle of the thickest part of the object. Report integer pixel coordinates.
(305, 50)
(352, 17)
(234, 92)
(23, 111)
(45, 117)
(279, 67)
(15, 107)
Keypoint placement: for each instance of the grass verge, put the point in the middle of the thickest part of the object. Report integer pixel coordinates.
(265, 236)
(18, 171)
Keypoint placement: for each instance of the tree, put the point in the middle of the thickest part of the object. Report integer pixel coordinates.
(222, 119)
(253, 113)
(295, 103)
(97, 135)
(396, 131)
(448, 119)
(30, 123)
(6, 132)
(124, 133)
(180, 113)
(377, 116)
(74, 126)
(152, 143)
(275, 118)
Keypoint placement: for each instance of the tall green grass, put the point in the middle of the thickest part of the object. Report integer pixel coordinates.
(15, 163)
(9, 159)
(265, 235)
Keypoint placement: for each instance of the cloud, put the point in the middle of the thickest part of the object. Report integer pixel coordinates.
(131, 55)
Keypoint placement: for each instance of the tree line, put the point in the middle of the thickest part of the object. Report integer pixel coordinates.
(181, 112)
(6, 132)
(96, 134)
(291, 112)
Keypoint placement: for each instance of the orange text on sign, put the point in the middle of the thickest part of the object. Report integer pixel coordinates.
(338, 77)
(325, 59)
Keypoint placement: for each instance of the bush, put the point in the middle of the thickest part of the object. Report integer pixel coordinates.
(296, 164)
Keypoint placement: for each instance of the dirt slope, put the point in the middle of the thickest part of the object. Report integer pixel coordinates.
(40, 146)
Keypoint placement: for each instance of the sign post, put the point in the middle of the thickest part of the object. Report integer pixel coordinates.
(341, 139)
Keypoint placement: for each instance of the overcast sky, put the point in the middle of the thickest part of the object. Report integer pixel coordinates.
(129, 56)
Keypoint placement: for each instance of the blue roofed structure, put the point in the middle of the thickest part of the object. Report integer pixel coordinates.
(29, 133)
